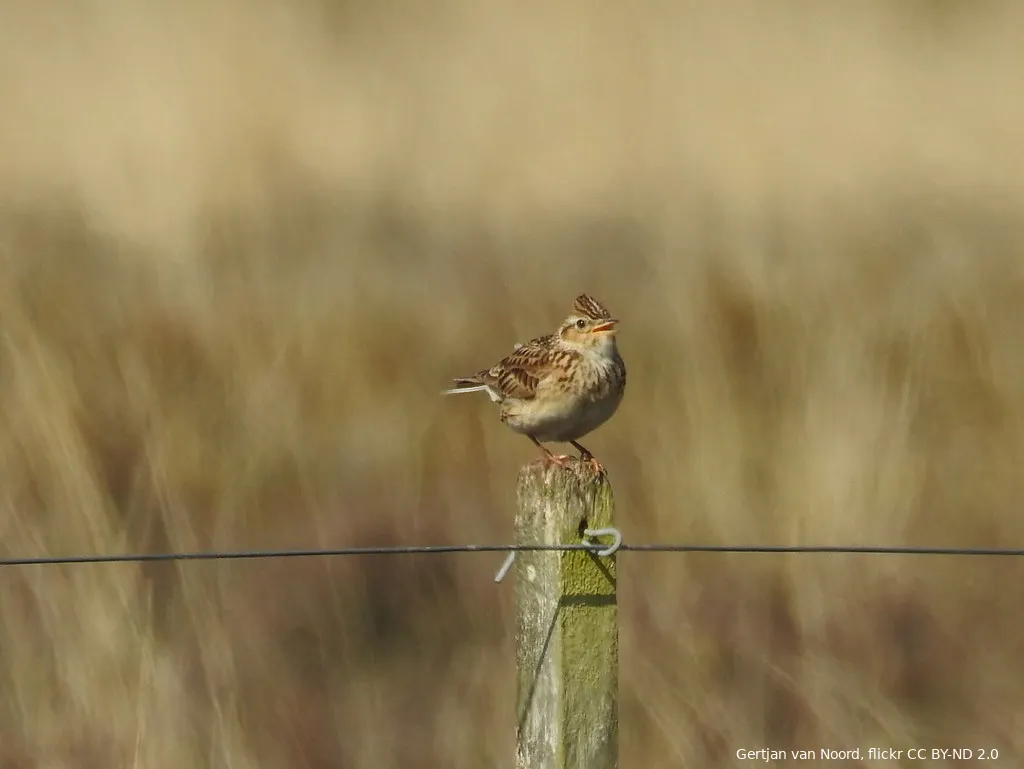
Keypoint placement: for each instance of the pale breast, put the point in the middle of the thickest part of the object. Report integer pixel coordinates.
(571, 404)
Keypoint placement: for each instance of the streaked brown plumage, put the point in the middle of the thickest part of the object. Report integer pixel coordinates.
(558, 387)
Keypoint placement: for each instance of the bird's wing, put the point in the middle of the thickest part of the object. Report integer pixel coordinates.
(519, 374)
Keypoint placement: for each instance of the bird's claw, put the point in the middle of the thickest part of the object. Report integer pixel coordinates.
(562, 460)
(590, 459)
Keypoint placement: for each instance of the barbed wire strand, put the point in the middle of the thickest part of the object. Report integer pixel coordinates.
(225, 555)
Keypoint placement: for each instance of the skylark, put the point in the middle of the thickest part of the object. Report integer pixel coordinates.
(558, 387)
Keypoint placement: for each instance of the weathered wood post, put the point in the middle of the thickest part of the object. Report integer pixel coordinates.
(568, 634)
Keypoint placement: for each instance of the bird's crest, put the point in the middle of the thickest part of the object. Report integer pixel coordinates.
(589, 307)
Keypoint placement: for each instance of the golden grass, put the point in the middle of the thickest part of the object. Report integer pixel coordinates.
(244, 245)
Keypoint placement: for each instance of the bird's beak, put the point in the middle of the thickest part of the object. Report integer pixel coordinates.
(608, 325)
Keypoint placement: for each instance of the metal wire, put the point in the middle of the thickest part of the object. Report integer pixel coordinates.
(850, 549)
(225, 555)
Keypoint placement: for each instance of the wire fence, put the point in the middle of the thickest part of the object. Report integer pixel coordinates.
(225, 555)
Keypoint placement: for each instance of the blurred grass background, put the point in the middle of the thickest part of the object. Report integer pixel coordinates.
(245, 243)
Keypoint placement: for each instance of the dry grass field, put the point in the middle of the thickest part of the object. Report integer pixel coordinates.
(245, 243)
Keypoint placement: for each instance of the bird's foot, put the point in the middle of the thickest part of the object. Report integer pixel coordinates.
(562, 460)
(586, 456)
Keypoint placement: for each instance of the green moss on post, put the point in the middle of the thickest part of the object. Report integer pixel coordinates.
(568, 633)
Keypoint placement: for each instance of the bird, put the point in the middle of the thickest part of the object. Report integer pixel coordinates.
(559, 387)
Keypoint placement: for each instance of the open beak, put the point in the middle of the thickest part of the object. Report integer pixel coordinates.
(608, 325)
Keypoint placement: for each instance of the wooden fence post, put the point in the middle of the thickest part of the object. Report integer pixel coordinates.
(567, 635)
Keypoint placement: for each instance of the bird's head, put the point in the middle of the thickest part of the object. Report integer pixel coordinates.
(590, 326)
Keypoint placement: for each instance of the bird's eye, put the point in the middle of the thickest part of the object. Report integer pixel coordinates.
(581, 323)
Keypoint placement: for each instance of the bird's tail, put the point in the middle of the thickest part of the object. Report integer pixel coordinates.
(470, 386)
(457, 390)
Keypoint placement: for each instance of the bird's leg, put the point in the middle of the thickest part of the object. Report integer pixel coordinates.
(558, 459)
(586, 456)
